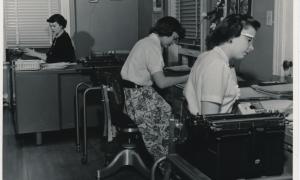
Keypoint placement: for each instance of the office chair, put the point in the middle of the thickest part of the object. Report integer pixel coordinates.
(97, 78)
(87, 88)
(113, 96)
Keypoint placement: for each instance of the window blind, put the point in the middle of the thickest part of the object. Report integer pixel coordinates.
(25, 22)
(188, 13)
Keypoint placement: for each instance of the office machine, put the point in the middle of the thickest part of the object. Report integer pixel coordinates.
(104, 60)
(97, 66)
(229, 146)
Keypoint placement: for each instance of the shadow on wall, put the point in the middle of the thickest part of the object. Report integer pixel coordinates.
(84, 43)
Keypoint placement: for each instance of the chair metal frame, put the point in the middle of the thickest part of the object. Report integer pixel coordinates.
(89, 88)
(126, 157)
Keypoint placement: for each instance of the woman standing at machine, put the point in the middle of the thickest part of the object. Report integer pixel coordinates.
(212, 85)
(62, 49)
(143, 68)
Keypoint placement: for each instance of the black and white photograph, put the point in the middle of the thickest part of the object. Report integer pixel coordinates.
(149, 89)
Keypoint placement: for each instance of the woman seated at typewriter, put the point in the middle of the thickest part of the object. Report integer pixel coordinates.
(143, 68)
(212, 85)
(62, 49)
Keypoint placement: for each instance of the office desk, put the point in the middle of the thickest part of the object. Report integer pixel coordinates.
(44, 100)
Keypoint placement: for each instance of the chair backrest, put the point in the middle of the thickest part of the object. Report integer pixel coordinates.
(116, 101)
(117, 96)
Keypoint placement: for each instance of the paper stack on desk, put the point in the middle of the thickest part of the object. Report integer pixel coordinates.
(250, 93)
(28, 65)
(281, 89)
(281, 105)
(59, 65)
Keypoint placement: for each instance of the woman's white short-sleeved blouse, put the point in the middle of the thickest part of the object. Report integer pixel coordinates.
(212, 80)
(144, 59)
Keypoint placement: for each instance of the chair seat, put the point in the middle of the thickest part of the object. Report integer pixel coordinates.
(123, 121)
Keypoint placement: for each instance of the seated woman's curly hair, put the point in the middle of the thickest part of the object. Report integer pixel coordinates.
(166, 26)
(229, 28)
(59, 19)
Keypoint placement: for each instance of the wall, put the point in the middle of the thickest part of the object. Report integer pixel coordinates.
(259, 63)
(283, 35)
(105, 25)
(288, 23)
(145, 17)
(72, 17)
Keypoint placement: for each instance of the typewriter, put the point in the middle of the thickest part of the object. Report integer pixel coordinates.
(102, 60)
(230, 146)
(234, 122)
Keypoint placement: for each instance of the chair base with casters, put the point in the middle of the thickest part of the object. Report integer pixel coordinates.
(128, 156)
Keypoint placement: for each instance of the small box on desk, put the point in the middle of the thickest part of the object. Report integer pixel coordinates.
(226, 147)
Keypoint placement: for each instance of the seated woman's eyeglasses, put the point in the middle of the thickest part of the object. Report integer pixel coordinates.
(248, 36)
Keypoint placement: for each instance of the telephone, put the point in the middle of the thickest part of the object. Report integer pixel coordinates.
(252, 107)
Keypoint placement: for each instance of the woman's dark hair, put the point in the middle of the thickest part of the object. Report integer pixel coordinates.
(166, 26)
(229, 28)
(57, 18)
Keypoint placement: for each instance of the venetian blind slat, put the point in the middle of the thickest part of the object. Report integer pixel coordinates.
(25, 22)
(188, 13)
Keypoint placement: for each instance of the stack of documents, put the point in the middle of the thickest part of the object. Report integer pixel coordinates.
(28, 65)
(275, 90)
(281, 105)
(59, 65)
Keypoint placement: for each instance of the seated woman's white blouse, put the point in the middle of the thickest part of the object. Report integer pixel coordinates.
(212, 80)
(144, 59)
